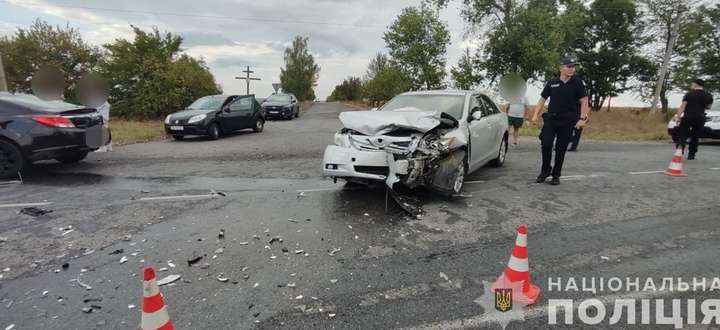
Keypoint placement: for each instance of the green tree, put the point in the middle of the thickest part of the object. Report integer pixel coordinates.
(464, 75)
(610, 52)
(149, 78)
(383, 80)
(699, 45)
(351, 89)
(418, 41)
(300, 73)
(40, 45)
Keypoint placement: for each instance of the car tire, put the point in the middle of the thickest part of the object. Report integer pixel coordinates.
(259, 125)
(449, 177)
(72, 158)
(179, 137)
(11, 160)
(214, 131)
(502, 153)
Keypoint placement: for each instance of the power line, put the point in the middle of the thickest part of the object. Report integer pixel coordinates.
(174, 14)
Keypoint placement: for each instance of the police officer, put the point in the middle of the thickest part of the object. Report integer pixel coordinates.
(568, 109)
(693, 106)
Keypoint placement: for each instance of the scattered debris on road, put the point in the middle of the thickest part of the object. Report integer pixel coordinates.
(194, 260)
(275, 239)
(34, 211)
(604, 258)
(221, 235)
(124, 259)
(335, 250)
(299, 251)
(81, 283)
(168, 279)
(409, 204)
(131, 306)
(293, 220)
(205, 265)
(87, 310)
(244, 243)
(219, 193)
(118, 251)
(221, 277)
(444, 277)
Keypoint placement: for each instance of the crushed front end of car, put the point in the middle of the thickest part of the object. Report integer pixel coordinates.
(408, 146)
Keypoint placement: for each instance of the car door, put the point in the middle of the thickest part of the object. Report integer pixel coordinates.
(480, 133)
(241, 112)
(496, 119)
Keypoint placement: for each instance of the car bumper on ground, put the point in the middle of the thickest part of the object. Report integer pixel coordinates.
(200, 129)
(339, 162)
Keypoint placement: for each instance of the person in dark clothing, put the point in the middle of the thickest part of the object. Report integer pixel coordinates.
(692, 116)
(568, 109)
(575, 141)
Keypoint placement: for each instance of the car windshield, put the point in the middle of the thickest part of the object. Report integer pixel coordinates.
(208, 102)
(35, 102)
(278, 98)
(450, 104)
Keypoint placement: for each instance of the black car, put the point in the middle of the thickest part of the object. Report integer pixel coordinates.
(281, 106)
(32, 129)
(215, 115)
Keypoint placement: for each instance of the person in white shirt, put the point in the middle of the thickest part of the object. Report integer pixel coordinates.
(104, 111)
(516, 111)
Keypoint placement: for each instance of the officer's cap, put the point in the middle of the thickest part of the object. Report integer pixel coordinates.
(568, 59)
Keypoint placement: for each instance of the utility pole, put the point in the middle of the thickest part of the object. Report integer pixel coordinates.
(247, 78)
(674, 30)
(3, 82)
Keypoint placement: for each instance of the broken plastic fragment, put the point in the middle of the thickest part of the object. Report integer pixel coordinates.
(131, 306)
(219, 251)
(299, 251)
(222, 278)
(291, 285)
(443, 276)
(164, 269)
(118, 251)
(285, 250)
(331, 315)
(172, 265)
(221, 235)
(194, 260)
(299, 297)
(244, 243)
(273, 257)
(333, 281)
(168, 279)
(124, 259)
(87, 310)
(256, 285)
(335, 250)
(293, 220)
(604, 258)
(205, 266)
(34, 211)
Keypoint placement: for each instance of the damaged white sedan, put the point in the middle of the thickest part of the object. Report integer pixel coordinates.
(428, 138)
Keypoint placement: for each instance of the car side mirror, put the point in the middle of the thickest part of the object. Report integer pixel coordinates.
(477, 114)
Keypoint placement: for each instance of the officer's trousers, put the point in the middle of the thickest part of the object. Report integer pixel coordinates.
(575, 141)
(557, 131)
(690, 127)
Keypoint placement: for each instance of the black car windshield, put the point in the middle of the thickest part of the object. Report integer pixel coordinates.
(450, 104)
(208, 103)
(278, 98)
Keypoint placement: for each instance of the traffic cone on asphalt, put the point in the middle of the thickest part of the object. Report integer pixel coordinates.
(517, 271)
(154, 313)
(676, 164)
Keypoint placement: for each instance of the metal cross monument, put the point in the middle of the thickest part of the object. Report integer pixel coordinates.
(247, 78)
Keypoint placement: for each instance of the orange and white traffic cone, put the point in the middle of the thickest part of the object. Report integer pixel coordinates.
(676, 164)
(154, 312)
(517, 271)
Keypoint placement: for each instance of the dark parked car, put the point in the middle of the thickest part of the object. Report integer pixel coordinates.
(216, 115)
(32, 129)
(282, 106)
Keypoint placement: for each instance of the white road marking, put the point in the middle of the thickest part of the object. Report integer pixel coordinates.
(7, 206)
(2, 183)
(715, 169)
(166, 198)
(647, 172)
(471, 182)
(485, 320)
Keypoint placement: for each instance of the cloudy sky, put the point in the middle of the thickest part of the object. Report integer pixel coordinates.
(229, 35)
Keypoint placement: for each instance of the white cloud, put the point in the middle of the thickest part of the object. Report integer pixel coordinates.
(7, 29)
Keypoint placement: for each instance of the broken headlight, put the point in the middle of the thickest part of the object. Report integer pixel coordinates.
(341, 140)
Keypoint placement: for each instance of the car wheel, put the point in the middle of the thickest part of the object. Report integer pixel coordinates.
(449, 177)
(11, 160)
(502, 153)
(214, 131)
(72, 157)
(179, 137)
(259, 125)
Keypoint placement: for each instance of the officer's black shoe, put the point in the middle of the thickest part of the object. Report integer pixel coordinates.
(541, 178)
(691, 156)
(572, 148)
(555, 181)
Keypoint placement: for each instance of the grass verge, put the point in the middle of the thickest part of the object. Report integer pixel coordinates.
(131, 131)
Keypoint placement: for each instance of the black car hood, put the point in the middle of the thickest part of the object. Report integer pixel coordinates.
(189, 113)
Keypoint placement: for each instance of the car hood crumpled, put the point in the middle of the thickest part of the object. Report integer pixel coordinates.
(383, 122)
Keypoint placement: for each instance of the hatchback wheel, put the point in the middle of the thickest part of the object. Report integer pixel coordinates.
(214, 131)
(11, 160)
(259, 125)
(502, 153)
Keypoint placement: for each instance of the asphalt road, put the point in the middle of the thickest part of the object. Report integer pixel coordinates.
(360, 267)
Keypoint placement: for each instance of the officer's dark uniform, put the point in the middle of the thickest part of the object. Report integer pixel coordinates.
(563, 113)
(693, 120)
